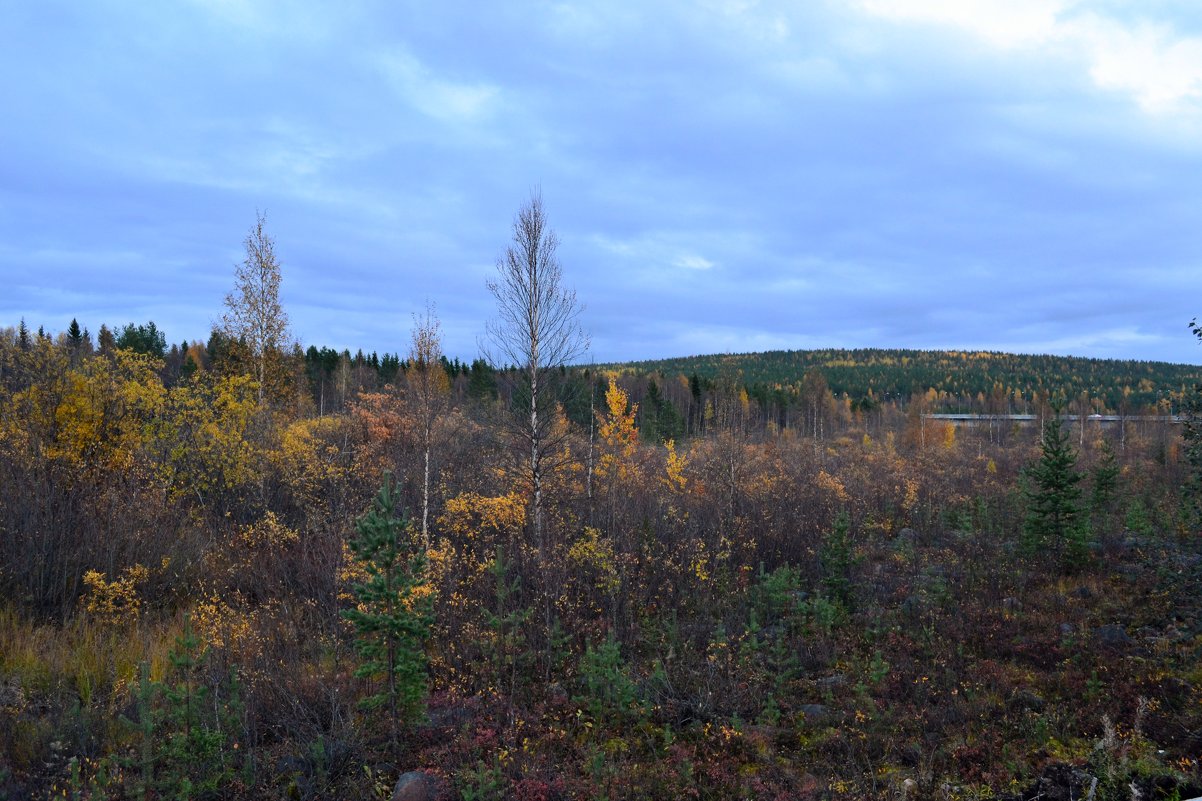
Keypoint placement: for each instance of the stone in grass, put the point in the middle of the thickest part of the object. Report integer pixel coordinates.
(416, 786)
(815, 713)
(1112, 635)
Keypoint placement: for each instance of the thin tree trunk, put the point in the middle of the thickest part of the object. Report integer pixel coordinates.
(592, 438)
(426, 494)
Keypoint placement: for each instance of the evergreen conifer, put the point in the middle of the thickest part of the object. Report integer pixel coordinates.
(394, 612)
(1054, 518)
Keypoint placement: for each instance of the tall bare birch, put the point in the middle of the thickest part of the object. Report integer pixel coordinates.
(253, 311)
(428, 387)
(537, 330)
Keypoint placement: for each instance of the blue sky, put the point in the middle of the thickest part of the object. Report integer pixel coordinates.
(1016, 175)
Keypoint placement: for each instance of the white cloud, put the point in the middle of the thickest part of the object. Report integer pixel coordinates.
(1121, 340)
(1005, 23)
(683, 339)
(657, 248)
(436, 97)
(275, 19)
(1148, 61)
(693, 262)
(1157, 66)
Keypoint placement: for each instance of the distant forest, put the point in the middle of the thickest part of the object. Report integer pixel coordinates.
(689, 396)
(962, 381)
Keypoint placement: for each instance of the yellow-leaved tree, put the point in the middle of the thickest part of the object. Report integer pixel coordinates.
(254, 315)
(204, 439)
(619, 436)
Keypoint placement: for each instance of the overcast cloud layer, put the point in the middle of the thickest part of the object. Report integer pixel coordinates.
(1018, 175)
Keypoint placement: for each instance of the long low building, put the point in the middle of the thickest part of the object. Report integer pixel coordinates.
(1020, 419)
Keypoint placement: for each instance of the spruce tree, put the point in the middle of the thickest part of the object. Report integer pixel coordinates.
(74, 335)
(105, 341)
(1054, 518)
(835, 559)
(394, 611)
(1105, 487)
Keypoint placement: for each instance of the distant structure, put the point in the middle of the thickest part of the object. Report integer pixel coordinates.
(1027, 419)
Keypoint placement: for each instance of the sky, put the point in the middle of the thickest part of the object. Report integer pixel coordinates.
(725, 176)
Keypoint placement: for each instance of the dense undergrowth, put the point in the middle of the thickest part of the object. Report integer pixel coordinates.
(760, 612)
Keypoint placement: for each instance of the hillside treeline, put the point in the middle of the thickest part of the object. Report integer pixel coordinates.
(728, 600)
(952, 381)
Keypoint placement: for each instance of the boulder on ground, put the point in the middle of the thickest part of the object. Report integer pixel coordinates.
(1112, 635)
(416, 786)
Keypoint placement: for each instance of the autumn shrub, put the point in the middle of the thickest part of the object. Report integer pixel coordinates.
(117, 602)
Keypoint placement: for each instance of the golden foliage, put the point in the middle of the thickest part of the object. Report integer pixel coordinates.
(949, 436)
(93, 415)
(314, 459)
(265, 535)
(203, 436)
(223, 621)
(350, 572)
(595, 552)
(675, 464)
(115, 603)
(470, 516)
(618, 434)
(831, 485)
(910, 498)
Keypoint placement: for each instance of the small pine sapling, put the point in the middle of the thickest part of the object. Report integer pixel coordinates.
(394, 607)
(1054, 518)
(835, 559)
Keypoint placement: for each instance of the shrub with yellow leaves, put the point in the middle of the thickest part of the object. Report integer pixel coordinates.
(595, 553)
(115, 603)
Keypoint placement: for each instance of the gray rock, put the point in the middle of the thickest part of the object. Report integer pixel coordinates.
(1066, 629)
(415, 786)
(832, 681)
(1112, 635)
(453, 716)
(1060, 782)
(1027, 700)
(815, 713)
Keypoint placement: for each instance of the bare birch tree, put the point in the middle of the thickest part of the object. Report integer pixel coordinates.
(537, 330)
(428, 387)
(253, 311)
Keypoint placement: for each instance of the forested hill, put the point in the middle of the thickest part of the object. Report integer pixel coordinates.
(880, 373)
